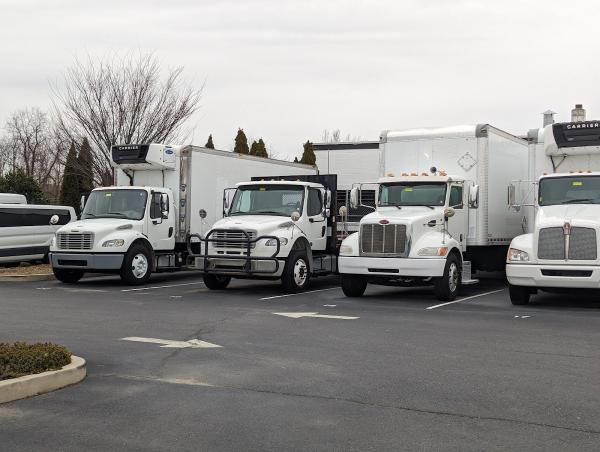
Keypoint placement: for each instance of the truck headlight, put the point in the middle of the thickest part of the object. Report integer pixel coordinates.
(516, 255)
(115, 242)
(345, 249)
(273, 242)
(433, 251)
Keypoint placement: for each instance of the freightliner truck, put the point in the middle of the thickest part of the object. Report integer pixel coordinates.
(562, 250)
(162, 194)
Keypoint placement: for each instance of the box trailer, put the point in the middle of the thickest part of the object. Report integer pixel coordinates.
(162, 194)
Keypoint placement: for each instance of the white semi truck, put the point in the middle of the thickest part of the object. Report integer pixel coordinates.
(275, 228)
(162, 194)
(440, 210)
(562, 249)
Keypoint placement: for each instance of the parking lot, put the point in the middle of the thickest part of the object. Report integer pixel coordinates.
(174, 366)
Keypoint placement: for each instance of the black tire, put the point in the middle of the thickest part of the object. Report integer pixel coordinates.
(67, 276)
(447, 287)
(296, 273)
(132, 270)
(519, 295)
(216, 282)
(354, 286)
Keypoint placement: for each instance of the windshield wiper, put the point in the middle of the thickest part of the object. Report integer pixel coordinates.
(569, 201)
(422, 205)
(391, 205)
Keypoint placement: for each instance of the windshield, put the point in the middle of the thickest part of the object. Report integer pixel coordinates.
(412, 194)
(267, 200)
(569, 190)
(129, 204)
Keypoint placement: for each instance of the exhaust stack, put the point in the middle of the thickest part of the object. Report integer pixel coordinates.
(578, 113)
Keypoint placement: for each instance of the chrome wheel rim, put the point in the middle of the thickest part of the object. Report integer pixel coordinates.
(453, 277)
(139, 266)
(300, 272)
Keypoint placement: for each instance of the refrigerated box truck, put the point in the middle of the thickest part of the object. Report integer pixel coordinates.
(162, 194)
(440, 209)
(562, 250)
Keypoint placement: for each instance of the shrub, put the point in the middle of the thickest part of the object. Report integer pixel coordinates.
(20, 358)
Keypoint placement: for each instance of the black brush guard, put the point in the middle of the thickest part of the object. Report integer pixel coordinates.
(248, 258)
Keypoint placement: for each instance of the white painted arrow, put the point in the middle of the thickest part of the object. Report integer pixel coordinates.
(166, 343)
(297, 315)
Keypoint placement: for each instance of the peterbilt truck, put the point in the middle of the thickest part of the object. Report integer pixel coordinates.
(281, 228)
(562, 250)
(440, 210)
(162, 194)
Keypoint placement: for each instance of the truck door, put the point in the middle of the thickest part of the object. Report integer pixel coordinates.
(161, 228)
(457, 225)
(317, 223)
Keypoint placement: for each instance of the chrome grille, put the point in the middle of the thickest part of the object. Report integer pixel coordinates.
(582, 244)
(74, 240)
(383, 239)
(223, 236)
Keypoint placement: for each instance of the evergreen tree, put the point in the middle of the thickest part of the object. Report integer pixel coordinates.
(308, 156)
(18, 182)
(262, 149)
(209, 144)
(296, 160)
(69, 190)
(254, 148)
(85, 169)
(241, 143)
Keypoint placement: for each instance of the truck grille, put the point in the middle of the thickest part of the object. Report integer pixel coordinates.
(582, 244)
(74, 240)
(223, 236)
(383, 239)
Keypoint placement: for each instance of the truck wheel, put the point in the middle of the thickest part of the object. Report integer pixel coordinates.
(296, 274)
(67, 276)
(216, 282)
(519, 295)
(446, 288)
(353, 286)
(137, 265)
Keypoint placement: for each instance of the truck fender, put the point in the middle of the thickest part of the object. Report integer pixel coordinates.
(301, 243)
(143, 241)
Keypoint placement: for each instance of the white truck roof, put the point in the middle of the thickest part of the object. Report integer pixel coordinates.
(12, 198)
(279, 182)
(391, 179)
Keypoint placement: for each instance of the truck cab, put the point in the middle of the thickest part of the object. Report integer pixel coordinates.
(416, 236)
(562, 251)
(128, 230)
(273, 229)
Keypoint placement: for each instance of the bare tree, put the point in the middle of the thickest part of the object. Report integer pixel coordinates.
(122, 101)
(335, 136)
(29, 144)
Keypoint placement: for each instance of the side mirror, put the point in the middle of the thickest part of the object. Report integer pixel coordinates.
(164, 205)
(354, 198)
(449, 212)
(512, 198)
(81, 203)
(295, 216)
(474, 196)
(202, 213)
(54, 219)
(343, 211)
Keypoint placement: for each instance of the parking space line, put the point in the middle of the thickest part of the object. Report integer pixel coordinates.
(300, 293)
(161, 287)
(465, 299)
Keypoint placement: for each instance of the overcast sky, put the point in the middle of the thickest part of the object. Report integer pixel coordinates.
(286, 70)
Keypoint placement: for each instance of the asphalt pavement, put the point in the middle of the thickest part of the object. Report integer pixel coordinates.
(175, 366)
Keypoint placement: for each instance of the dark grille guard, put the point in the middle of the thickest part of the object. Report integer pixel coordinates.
(245, 241)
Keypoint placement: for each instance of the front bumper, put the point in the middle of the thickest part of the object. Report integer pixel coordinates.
(540, 275)
(391, 266)
(240, 267)
(86, 261)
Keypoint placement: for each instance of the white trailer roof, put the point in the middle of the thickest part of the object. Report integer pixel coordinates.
(429, 133)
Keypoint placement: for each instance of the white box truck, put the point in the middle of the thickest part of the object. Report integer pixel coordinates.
(440, 209)
(162, 195)
(562, 249)
(275, 228)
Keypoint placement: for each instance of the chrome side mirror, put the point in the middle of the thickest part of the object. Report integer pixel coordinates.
(449, 212)
(164, 205)
(474, 196)
(295, 216)
(54, 219)
(354, 198)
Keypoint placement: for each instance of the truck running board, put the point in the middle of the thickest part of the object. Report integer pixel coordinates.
(467, 280)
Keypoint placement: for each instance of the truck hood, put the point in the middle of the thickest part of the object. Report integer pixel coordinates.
(559, 215)
(262, 224)
(406, 215)
(99, 226)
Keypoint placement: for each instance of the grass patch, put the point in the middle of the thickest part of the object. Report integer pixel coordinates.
(20, 358)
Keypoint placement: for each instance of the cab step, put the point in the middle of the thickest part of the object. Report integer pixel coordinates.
(467, 279)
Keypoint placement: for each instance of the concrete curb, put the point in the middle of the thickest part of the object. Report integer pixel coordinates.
(30, 385)
(38, 277)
